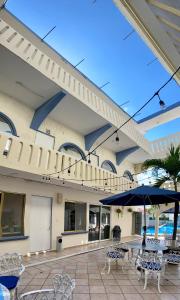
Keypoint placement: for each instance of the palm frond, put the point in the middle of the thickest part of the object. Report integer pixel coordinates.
(159, 181)
(174, 151)
(153, 163)
(178, 178)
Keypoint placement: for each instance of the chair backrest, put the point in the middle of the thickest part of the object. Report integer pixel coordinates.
(63, 284)
(173, 256)
(11, 264)
(63, 287)
(153, 241)
(46, 294)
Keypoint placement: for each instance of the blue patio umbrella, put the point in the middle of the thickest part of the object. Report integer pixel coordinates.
(142, 195)
(170, 211)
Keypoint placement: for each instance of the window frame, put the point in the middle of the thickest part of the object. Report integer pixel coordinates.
(9, 122)
(128, 175)
(71, 146)
(76, 230)
(22, 216)
(111, 165)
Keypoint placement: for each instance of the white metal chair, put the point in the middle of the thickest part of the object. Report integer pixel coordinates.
(151, 264)
(112, 255)
(153, 241)
(46, 294)
(11, 264)
(11, 268)
(63, 288)
(172, 257)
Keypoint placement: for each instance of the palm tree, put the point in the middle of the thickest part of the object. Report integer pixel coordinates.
(171, 167)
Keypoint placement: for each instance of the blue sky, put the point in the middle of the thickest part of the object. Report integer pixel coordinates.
(96, 32)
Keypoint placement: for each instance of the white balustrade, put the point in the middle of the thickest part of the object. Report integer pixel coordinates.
(161, 146)
(19, 155)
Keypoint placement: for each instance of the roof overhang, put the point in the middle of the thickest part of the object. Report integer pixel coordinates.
(157, 22)
(170, 113)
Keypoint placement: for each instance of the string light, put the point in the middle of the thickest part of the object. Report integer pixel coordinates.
(89, 159)
(117, 137)
(161, 102)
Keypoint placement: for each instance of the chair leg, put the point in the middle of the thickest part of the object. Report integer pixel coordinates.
(146, 278)
(104, 268)
(109, 265)
(159, 278)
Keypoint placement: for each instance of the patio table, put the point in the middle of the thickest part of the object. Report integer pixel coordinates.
(149, 246)
(4, 293)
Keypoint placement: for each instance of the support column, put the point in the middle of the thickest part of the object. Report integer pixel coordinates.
(157, 214)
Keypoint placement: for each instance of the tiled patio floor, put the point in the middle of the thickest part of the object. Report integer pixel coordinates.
(53, 255)
(91, 284)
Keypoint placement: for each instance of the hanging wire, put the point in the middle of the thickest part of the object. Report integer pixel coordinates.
(122, 125)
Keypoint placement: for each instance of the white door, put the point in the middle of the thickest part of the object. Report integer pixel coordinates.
(40, 223)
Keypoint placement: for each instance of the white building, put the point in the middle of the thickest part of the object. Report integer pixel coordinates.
(51, 116)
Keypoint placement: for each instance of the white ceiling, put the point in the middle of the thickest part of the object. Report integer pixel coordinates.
(74, 114)
(157, 22)
(18, 79)
(168, 12)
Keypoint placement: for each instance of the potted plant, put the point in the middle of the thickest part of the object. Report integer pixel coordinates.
(130, 210)
(119, 211)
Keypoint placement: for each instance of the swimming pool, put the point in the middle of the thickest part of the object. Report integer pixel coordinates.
(165, 229)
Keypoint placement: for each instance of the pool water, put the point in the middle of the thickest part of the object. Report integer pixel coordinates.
(165, 229)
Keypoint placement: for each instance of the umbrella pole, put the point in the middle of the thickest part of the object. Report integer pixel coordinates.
(144, 228)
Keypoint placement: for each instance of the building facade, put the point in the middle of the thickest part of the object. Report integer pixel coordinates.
(52, 174)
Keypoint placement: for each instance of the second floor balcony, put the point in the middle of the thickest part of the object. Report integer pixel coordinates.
(30, 161)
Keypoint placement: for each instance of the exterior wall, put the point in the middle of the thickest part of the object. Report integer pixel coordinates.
(10, 184)
(20, 114)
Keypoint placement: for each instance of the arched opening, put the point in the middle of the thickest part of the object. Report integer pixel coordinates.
(73, 150)
(109, 166)
(6, 125)
(127, 174)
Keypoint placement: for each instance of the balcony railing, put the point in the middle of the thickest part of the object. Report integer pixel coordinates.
(161, 146)
(19, 155)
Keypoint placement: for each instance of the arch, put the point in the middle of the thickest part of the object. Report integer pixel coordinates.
(108, 165)
(5, 119)
(127, 174)
(72, 147)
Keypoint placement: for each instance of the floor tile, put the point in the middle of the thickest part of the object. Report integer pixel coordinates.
(113, 289)
(126, 289)
(133, 297)
(116, 297)
(81, 289)
(81, 297)
(81, 281)
(98, 282)
(96, 289)
(124, 282)
(98, 297)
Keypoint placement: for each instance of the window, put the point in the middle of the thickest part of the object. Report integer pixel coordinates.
(127, 174)
(6, 125)
(75, 216)
(108, 165)
(11, 214)
(73, 150)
